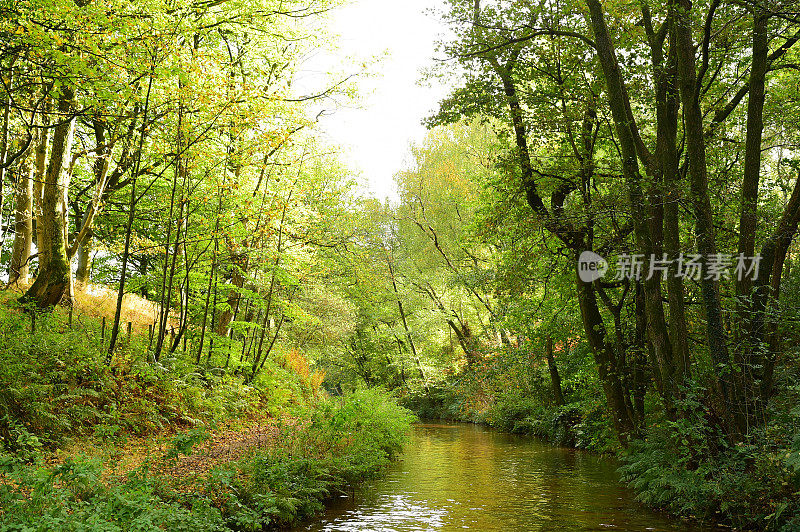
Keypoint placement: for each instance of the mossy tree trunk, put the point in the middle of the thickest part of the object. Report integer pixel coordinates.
(83, 271)
(23, 224)
(54, 279)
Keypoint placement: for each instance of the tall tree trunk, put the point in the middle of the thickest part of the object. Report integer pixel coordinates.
(667, 160)
(83, 271)
(642, 342)
(55, 276)
(752, 154)
(405, 324)
(766, 289)
(82, 244)
(42, 143)
(621, 348)
(271, 293)
(4, 134)
(211, 283)
(644, 223)
(642, 353)
(23, 224)
(164, 296)
(748, 354)
(555, 378)
(129, 228)
(213, 319)
(176, 251)
(704, 218)
(183, 288)
(606, 360)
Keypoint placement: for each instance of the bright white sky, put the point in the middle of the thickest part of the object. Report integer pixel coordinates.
(376, 135)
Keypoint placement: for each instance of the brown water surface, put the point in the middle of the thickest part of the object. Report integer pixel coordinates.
(466, 477)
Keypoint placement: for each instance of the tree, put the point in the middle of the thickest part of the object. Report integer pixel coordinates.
(527, 63)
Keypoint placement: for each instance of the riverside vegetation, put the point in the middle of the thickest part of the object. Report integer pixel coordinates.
(68, 422)
(169, 152)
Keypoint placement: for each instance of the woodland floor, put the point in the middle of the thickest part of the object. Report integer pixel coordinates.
(229, 442)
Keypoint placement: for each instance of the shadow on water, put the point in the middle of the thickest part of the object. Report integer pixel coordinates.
(466, 477)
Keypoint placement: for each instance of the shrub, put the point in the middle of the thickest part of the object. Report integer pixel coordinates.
(345, 440)
(690, 468)
(71, 497)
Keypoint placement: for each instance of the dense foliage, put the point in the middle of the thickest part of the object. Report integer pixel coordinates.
(266, 489)
(170, 150)
(57, 392)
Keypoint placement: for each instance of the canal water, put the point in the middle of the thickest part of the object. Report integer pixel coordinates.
(466, 477)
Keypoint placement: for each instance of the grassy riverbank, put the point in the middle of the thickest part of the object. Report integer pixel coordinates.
(136, 446)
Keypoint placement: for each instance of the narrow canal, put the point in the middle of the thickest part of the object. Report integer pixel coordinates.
(466, 477)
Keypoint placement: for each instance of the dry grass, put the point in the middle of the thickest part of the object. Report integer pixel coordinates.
(98, 301)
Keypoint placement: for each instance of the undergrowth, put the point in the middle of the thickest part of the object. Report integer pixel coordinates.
(55, 389)
(510, 393)
(347, 440)
(54, 386)
(690, 468)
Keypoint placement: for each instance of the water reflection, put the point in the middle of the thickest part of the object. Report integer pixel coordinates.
(457, 477)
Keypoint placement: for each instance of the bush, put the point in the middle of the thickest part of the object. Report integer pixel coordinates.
(344, 441)
(54, 385)
(441, 401)
(377, 420)
(71, 497)
(510, 390)
(689, 468)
